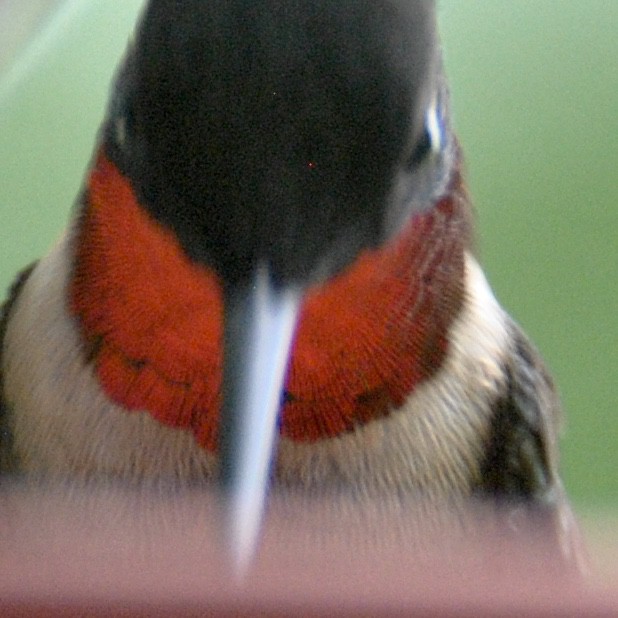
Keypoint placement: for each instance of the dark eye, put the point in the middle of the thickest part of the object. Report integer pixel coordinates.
(422, 149)
(120, 131)
(431, 140)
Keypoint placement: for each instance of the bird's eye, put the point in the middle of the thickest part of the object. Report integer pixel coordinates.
(421, 149)
(123, 127)
(430, 142)
(120, 130)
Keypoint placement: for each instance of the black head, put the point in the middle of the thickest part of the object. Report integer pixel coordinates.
(288, 132)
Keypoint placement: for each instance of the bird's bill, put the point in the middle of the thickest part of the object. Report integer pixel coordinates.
(259, 325)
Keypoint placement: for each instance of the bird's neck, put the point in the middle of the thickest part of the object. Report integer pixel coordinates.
(152, 320)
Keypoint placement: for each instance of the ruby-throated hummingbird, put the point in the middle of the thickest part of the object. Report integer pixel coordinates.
(269, 272)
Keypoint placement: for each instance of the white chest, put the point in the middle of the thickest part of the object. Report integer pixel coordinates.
(64, 425)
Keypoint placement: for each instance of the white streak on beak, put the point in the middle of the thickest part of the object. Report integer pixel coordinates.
(261, 329)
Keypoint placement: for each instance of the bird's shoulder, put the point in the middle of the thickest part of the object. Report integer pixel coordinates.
(5, 311)
(522, 456)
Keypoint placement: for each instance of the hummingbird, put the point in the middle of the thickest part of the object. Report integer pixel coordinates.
(269, 279)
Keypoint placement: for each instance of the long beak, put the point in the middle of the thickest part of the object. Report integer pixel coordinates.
(258, 331)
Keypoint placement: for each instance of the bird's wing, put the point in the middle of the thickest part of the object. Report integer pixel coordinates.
(6, 460)
(520, 471)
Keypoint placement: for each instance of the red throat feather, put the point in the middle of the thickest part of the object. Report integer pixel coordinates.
(152, 319)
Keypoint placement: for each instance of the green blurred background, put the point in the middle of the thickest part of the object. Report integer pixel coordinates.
(535, 94)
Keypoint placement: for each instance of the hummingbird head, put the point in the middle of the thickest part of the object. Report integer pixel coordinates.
(272, 144)
(294, 134)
